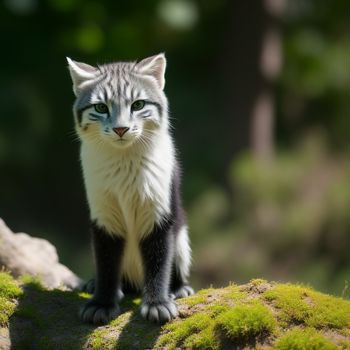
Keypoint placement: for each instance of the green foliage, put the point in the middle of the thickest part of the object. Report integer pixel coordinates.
(288, 207)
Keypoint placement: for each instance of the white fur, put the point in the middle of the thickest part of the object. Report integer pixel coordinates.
(128, 192)
(183, 253)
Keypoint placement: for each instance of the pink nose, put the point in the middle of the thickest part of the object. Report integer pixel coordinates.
(120, 131)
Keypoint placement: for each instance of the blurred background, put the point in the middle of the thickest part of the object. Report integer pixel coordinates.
(260, 102)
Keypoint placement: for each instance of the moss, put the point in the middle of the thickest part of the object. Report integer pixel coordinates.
(9, 287)
(206, 291)
(33, 281)
(246, 321)
(344, 345)
(195, 332)
(302, 305)
(103, 338)
(257, 281)
(204, 340)
(233, 293)
(9, 293)
(195, 299)
(258, 315)
(199, 298)
(304, 339)
(217, 308)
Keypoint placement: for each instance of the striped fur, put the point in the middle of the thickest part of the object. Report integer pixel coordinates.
(129, 179)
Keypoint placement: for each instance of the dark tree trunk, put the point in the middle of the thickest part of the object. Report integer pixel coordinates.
(246, 71)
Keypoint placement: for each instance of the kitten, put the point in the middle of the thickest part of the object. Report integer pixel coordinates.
(132, 182)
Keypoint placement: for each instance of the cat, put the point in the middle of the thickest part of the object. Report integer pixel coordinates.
(132, 180)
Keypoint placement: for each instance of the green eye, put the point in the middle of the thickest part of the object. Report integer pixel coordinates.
(137, 105)
(101, 108)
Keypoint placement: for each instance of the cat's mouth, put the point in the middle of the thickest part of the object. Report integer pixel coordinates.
(121, 142)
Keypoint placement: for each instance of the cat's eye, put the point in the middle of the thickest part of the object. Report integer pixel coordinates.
(138, 105)
(101, 108)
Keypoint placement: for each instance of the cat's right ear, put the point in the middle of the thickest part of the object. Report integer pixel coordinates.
(80, 74)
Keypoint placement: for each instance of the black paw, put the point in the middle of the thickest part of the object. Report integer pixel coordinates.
(96, 313)
(159, 312)
(89, 287)
(182, 292)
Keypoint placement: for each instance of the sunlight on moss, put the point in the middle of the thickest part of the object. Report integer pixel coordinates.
(195, 299)
(246, 321)
(257, 281)
(233, 292)
(9, 287)
(283, 317)
(297, 304)
(33, 281)
(304, 339)
(9, 292)
(344, 345)
(190, 331)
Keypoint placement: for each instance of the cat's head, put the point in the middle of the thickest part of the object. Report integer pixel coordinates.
(122, 103)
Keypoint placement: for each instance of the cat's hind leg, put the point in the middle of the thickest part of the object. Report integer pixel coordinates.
(179, 287)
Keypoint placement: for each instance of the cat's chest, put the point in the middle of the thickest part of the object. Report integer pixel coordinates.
(127, 196)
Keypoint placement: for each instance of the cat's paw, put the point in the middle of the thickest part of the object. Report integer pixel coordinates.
(183, 292)
(159, 312)
(89, 287)
(97, 313)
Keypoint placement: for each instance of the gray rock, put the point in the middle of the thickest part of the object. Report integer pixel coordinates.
(22, 254)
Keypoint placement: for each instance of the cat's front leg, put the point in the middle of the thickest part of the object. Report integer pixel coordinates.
(157, 251)
(108, 250)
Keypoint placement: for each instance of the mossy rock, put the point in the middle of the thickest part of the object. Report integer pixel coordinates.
(258, 315)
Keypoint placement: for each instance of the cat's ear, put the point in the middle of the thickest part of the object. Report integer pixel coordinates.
(80, 73)
(154, 66)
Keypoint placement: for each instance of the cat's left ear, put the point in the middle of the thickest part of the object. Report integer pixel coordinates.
(154, 67)
(80, 74)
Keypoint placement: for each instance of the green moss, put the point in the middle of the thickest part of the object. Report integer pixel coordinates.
(257, 281)
(222, 318)
(195, 332)
(7, 308)
(217, 308)
(33, 281)
(203, 340)
(9, 292)
(344, 345)
(304, 339)
(195, 299)
(99, 339)
(233, 293)
(103, 338)
(205, 291)
(246, 321)
(9, 287)
(302, 305)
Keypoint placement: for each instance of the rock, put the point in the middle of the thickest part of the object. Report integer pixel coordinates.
(258, 315)
(22, 254)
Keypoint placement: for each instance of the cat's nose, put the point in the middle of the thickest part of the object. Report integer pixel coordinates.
(120, 131)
